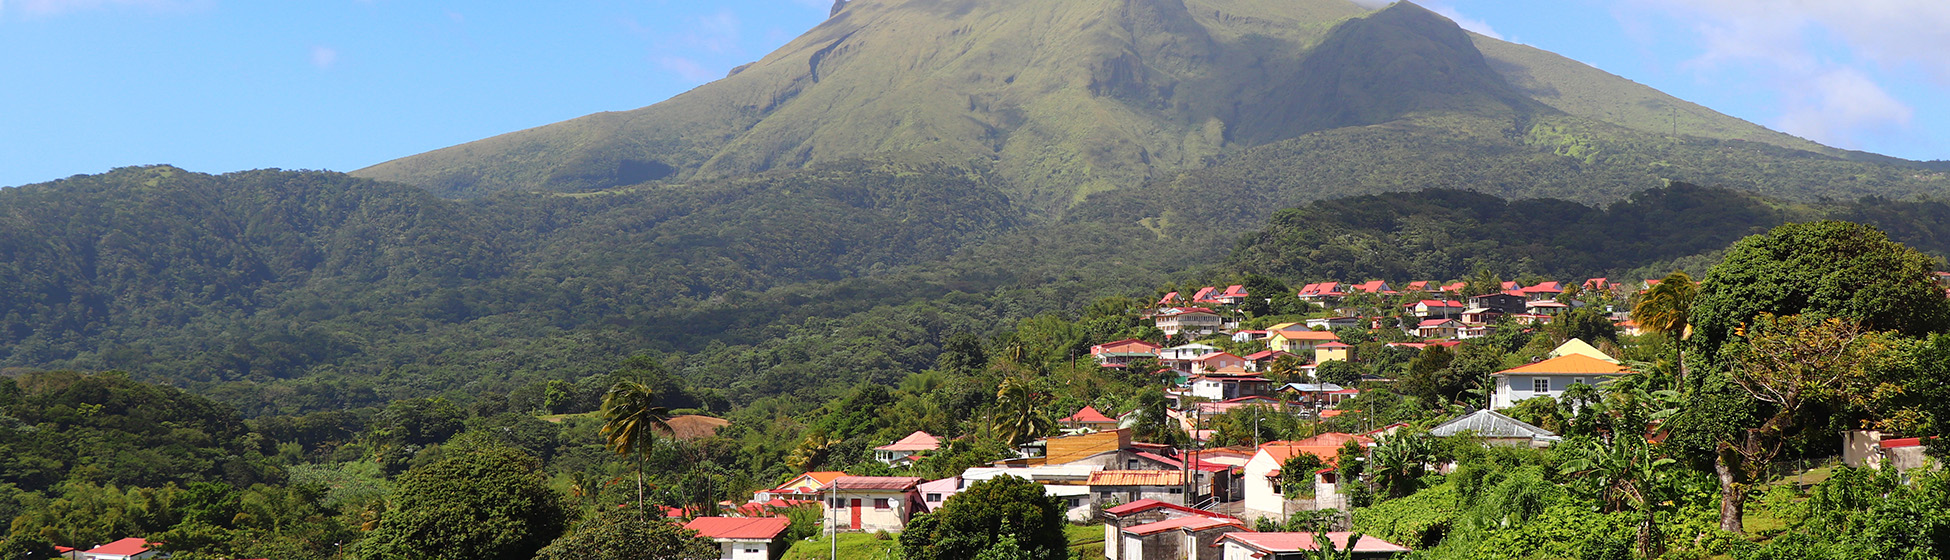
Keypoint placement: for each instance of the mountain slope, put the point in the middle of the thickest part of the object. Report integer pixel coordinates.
(1065, 97)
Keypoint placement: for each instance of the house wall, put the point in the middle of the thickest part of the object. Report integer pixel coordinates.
(1263, 498)
(1860, 447)
(1128, 494)
(1133, 548)
(893, 518)
(1197, 545)
(745, 550)
(1073, 448)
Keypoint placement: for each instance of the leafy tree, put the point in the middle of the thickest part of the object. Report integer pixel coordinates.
(1584, 323)
(631, 421)
(1153, 424)
(1398, 464)
(1338, 372)
(1626, 474)
(483, 500)
(27, 547)
(1298, 481)
(973, 523)
(622, 535)
(1824, 269)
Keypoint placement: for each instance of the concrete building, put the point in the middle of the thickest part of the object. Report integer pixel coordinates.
(744, 538)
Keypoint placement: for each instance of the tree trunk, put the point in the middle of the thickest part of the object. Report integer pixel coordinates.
(1733, 498)
(639, 485)
(1651, 544)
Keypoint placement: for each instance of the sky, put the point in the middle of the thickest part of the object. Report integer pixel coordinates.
(226, 85)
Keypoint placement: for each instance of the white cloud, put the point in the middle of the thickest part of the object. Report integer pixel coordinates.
(1819, 56)
(686, 68)
(1842, 107)
(57, 7)
(1479, 26)
(324, 57)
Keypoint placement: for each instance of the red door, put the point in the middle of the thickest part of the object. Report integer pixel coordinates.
(856, 513)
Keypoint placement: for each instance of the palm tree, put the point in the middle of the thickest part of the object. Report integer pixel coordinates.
(811, 451)
(1627, 476)
(1398, 463)
(1667, 308)
(1018, 419)
(631, 420)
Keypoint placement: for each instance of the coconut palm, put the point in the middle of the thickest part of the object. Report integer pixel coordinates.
(1018, 418)
(631, 420)
(1667, 308)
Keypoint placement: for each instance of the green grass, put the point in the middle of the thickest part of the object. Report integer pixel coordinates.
(1086, 541)
(860, 546)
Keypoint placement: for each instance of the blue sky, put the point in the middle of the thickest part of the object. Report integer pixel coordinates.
(223, 85)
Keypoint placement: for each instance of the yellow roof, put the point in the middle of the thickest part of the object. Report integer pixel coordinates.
(1567, 364)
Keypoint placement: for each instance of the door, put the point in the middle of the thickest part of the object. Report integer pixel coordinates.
(856, 513)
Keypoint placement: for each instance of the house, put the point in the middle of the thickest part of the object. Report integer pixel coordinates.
(1141, 512)
(1469, 331)
(1549, 378)
(131, 548)
(1629, 327)
(1263, 477)
(1171, 299)
(1437, 309)
(934, 493)
(1543, 291)
(1868, 448)
(1334, 350)
(1180, 357)
(1117, 354)
(1423, 286)
(1263, 360)
(1330, 323)
(1122, 486)
(1193, 320)
(806, 486)
(1480, 316)
(744, 538)
(1244, 545)
(1089, 418)
(1316, 394)
(1579, 346)
(1230, 384)
(1209, 409)
(1497, 429)
(1454, 289)
(1438, 328)
(1234, 295)
(1205, 295)
(1183, 538)
(1505, 303)
(1322, 293)
(1298, 341)
(873, 503)
(1373, 287)
(1545, 307)
(1217, 361)
(1248, 335)
(908, 449)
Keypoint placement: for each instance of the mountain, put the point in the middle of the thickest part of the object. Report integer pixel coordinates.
(1072, 97)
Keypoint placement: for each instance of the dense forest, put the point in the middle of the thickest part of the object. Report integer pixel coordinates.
(288, 292)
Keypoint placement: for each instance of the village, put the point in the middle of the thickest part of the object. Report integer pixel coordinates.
(1200, 501)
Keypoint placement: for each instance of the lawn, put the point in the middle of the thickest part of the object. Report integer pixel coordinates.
(862, 546)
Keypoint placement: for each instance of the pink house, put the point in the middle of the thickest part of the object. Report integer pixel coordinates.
(1217, 360)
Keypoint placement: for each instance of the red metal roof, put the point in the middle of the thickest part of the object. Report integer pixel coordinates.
(126, 547)
(1148, 505)
(1902, 442)
(1192, 522)
(741, 528)
(917, 441)
(1088, 415)
(877, 482)
(1235, 291)
(1296, 542)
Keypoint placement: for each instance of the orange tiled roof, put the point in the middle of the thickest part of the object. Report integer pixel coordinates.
(1136, 478)
(1568, 363)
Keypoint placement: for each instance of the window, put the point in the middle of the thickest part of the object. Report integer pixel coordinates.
(751, 551)
(1578, 381)
(1075, 503)
(1130, 464)
(880, 503)
(1105, 495)
(1177, 491)
(934, 497)
(1540, 384)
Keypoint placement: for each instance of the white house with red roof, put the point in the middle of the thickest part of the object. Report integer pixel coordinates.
(744, 538)
(806, 486)
(908, 449)
(1437, 309)
(131, 548)
(1205, 295)
(1244, 545)
(1263, 359)
(1322, 293)
(1190, 537)
(1217, 361)
(1263, 475)
(873, 503)
(1379, 287)
(1140, 513)
(1180, 357)
(1090, 418)
(1119, 353)
(1171, 299)
(1234, 295)
(1543, 290)
(1438, 328)
(1333, 322)
(1229, 383)
(1193, 320)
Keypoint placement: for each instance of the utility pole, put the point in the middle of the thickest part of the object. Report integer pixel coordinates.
(832, 530)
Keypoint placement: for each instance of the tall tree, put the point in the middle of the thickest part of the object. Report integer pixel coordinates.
(1666, 308)
(631, 420)
(1019, 413)
(617, 535)
(977, 519)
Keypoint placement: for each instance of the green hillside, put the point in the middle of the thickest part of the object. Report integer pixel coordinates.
(1073, 97)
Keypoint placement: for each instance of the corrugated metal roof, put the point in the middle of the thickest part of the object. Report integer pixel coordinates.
(1137, 478)
(741, 528)
(1491, 424)
(1575, 364)
(1193, 522)
(877, 482)
(1296, 542)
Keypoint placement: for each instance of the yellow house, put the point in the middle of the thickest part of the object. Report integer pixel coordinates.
(1335, 350)
(1298, 341)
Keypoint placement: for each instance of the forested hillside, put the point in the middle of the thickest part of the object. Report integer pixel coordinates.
(284, 292)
